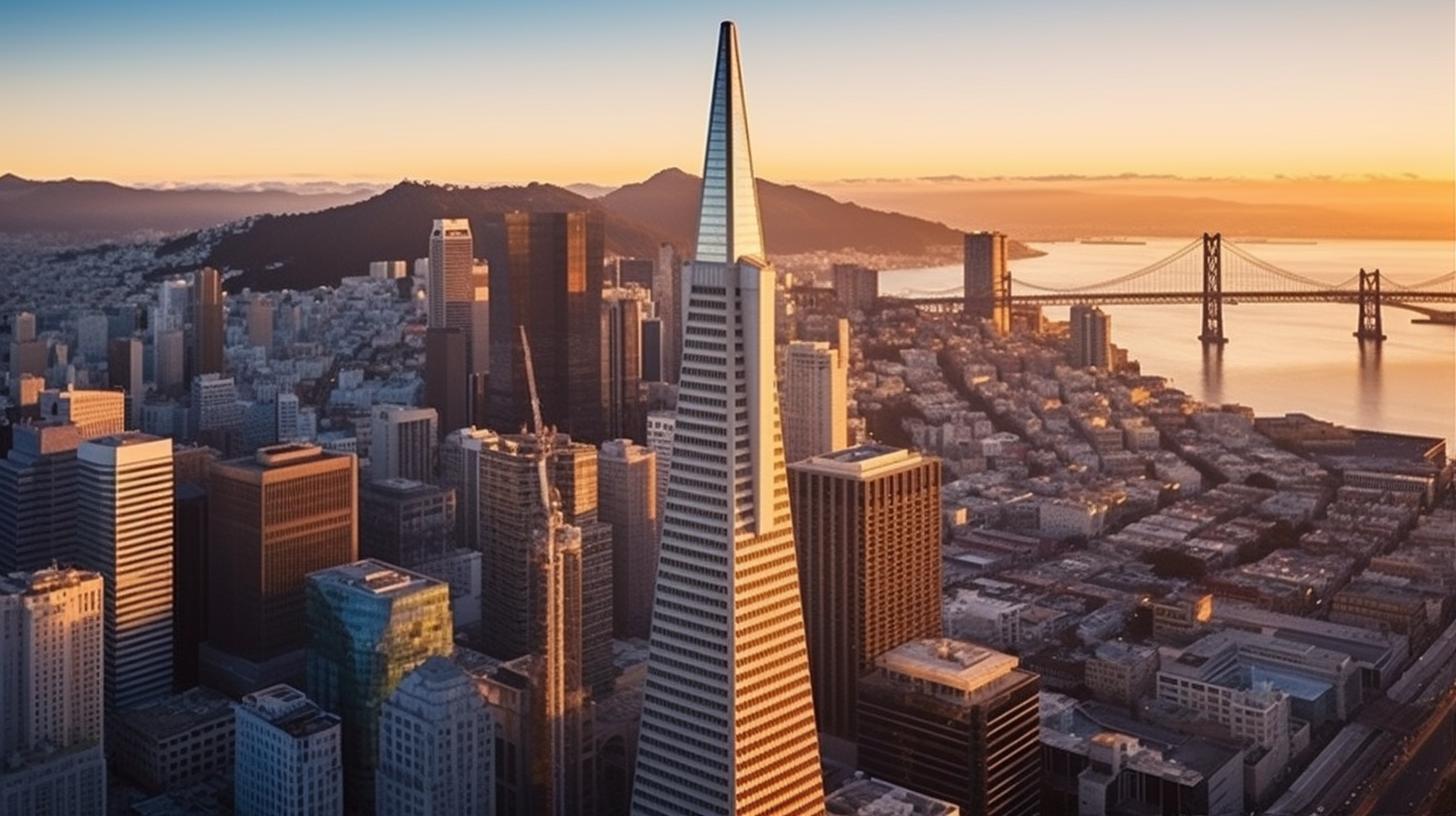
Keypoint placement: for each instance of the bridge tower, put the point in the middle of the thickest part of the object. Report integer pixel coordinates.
(1213, 290)
(1370, 327)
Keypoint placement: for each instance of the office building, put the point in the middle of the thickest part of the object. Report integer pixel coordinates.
(956, 721)
(174, 741)
(987, 280)
(816, 386)
(1122, 673)
(215, 413)
(288, 756)
(124, 370)
(547, 277)
(634, 272)
(1204, 678)
(660, 425)
(169, 360)
(1091, 338)
(627, 500)
(623, 312)
(91, 338)
(38, 497)
(51, 692)
(653, 341)
(273, 518)
(259, 321)
(867, 525)
(209, 323)
(124, 532)
(667, 295)
(369, 624)
(436, 746)
(403, 442)
(388, 270)
(190, 554)
(858, 287)
(28, 354)
(514, 599)
(460, 468)
(93, 412)
(865, 796)
(730, 705)
(447, 384)
(404, 522)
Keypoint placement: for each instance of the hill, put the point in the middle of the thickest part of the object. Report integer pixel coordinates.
(101, 209)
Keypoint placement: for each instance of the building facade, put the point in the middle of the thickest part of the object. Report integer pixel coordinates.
(436, 746)
(403, 442)
(816, 385)
(987, 280)
(627, 500)
(288, 760)
(37, 497)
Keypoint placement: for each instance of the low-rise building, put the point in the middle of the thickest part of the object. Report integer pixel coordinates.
(174, 742)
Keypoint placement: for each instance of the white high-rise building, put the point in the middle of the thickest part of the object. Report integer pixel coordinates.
(728, 717)
(816, 386)
(51, 693)
(659, 438)
(287, 760)
(403, 442)
(436, 746)
(458, 289)
(286, 407)
(124, 532)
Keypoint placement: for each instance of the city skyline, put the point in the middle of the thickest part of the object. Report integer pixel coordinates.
(312, 93)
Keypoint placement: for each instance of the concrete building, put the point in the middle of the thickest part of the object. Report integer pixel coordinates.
(51, 693)
(38, 496)
(667, 294)
(124, 370)
(867, 528)
(955, 721)
(627, 500)
(987, 280)
(816, 410)
(169, 360)
(858, 287)
(460, 469)
(370, 624)
(215, 411)
(458, 303)
(259, 316)
(731, 706)
(404, 522)
(436, 746)
(1091, 338)
(124, 533)
(287, 761)
(174, 741)
(403, 443)
(624, 311)
(865, 796)
(1204, 678)
(273, 518)
(1122, 673)
(93, 412)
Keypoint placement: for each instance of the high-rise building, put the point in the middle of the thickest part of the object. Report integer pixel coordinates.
(635, 272)
(627, 500)
(285, 408)
(189, 576)
(208, 323)
(51, 692)
(954, 720)
(867, 524)
(660, 426)
(260, 322)
(514, 599)
(169, 359)
(458, 310)
(667, 294)
(816, 406)
(173, 305)
(460, 469)
(436, 746)
(93, 412)
(216, 413)
(369, 624)
(91, 331)
(987, 280)
(287, 760)
(38, 497)
(28, 354)
(652, 345)
(403, 442)
(547, 277)
(405, 522)
(273, 518)
(124, 370)
(1091, 337)
(858, 287)
(447, 388)
(623, 313)
(728, 720)
(124, 532)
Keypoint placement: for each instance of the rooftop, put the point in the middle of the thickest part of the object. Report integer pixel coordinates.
(860, 460)
(288, 710)
(177, 713)
(375, 577)
(953, 664)
(872, 797)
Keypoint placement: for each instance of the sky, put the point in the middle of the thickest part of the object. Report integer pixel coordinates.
(146, 92)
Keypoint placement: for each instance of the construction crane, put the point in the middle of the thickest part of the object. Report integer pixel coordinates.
(553, 657)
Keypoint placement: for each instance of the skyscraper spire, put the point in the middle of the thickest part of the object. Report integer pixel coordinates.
(728, 714)
(729, 226)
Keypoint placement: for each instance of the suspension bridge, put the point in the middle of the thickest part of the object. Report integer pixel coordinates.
(1211, 272)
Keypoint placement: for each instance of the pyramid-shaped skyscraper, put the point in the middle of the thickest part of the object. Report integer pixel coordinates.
(728, 719)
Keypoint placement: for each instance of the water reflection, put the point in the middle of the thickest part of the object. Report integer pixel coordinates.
(1213, 372)
(1368, 397)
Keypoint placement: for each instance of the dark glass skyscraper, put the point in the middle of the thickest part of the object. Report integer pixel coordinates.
(546, 275)
(207, 323)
